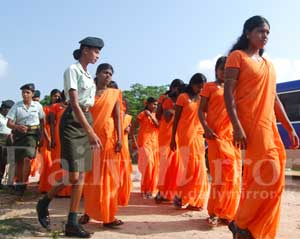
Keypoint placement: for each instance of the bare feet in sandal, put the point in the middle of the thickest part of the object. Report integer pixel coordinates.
(114, 224)
(213, 221)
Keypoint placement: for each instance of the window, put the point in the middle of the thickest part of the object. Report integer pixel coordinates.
(291, 103)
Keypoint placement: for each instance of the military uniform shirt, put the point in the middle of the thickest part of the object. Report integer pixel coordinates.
(3, 125)
(22, 115)
(75, 77)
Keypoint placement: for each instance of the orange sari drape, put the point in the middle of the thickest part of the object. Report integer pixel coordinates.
(168, 159)
(57, 172)
(148, 155)
(102, 183)
(224, 159)
(44, 184)
(192, 178)
(263, 178)
(125, 166)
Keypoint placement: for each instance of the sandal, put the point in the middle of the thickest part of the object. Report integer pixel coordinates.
(84, 219)
(159, 199)
(114, 224)
(213, 221)
(177, 202)
(193, 208)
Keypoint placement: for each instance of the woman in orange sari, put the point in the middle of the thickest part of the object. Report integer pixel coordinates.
(147, 145)
(125, 164)
(56, 172)
(102, 183)
(44, 185)
(192, 182)
(125, 167)
(253, 106)
(168, 160)
(224, 159)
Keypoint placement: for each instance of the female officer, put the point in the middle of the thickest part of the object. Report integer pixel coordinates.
(5, 134)
(76, 134)
(26, 119)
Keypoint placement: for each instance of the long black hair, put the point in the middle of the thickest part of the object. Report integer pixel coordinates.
(243, 42)
(78, 52)
(220, 63)
(113, 85)
(196, 79)
(55, 91)
(175, 83)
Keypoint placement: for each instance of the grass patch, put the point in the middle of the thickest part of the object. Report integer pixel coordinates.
(14, 226)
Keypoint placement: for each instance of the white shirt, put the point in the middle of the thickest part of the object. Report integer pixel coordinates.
(76, 78)
(3, 125)
(22, 115)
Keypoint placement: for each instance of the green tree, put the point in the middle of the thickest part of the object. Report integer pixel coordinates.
(46, 100)
(137, 93)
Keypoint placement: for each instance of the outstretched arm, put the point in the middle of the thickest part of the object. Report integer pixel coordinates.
(283, 118)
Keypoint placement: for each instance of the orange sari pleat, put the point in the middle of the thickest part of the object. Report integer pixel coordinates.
(103, 182)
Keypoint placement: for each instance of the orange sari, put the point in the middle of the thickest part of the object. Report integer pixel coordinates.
(57, 172)
(148, 155)
(102, 183)
(224, 159)
(44, 185)
(192, 178)
(264, 165)
(125, 166)
(168, 160)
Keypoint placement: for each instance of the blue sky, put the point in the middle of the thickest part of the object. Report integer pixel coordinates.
(147, 42)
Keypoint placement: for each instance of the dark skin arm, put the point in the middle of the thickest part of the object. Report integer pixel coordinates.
(132, 130)
(52, 129)
(93, 138)
(178, 111)
(21, 128)
(159, 112)
(42, 132)
(45, 134)
(117, 122)
(168, 115)
(154, 120)
(283, 118)
(208, 132)
(239, 136)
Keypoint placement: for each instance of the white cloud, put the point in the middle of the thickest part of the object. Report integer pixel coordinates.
(3, 66)
(286, 69)
(207, 67)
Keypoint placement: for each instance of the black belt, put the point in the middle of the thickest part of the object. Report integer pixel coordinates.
(32, 127)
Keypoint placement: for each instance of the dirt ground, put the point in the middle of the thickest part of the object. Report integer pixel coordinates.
(143, 218)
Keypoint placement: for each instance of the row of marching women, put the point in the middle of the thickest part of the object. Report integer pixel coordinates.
(83, 142)
(237, 111)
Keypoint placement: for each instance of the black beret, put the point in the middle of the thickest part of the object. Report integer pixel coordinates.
(36, 93)
(7, 104)
(93, 42)
(29, 86)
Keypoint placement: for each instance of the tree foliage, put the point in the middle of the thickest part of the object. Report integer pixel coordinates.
(137, 93)
(46, 100)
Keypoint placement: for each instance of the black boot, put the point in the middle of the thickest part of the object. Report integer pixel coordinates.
(76, 230)
(43, 213)
(20, 189)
